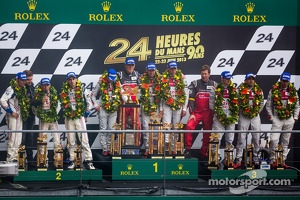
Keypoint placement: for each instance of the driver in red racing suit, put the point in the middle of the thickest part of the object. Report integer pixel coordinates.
(199, 110)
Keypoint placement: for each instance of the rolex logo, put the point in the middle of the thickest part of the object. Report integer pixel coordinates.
(129, 167)
(180, 166)
(250, 7)
(106, 6)
(178, 7)
(31, 5)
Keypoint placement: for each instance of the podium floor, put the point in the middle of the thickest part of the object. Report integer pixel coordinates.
(147, 188)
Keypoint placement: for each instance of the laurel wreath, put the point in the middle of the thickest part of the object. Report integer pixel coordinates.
(110, 106)
(51, 114)
(68, 112)
(284, 112)
(23, 100)
(180, 95)
(147, 106)
(233, 104)
(246, 109)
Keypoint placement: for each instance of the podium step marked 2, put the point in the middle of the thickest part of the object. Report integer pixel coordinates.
(59, 175)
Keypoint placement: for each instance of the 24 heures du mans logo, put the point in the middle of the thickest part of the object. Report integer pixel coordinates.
(249, 18)
(31, 15)
(178, 17)
(105, 17)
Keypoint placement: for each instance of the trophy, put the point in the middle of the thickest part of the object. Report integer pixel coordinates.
(248, 155)
(179, 139)
(116, 140)
(168, 137)
(58, 158)
(213, 151)
(42, 152)
(21, 158)
(156, 140)
(131, 93)
(229, 157)
(279, 157)
(130, 141)
(78, 157)
(264, 155)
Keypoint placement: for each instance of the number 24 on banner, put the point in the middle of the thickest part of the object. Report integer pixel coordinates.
(139, 49)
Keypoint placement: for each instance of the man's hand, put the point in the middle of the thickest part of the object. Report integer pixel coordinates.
(192, 117)
(183, 113)
(15, 115)
(97, 108)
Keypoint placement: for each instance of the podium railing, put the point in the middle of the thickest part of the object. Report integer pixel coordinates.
(104, 163)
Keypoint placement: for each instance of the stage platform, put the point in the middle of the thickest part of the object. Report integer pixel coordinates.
(92, 187)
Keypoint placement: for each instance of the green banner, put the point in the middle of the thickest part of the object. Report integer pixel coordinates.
(154, 169)
(154, 12)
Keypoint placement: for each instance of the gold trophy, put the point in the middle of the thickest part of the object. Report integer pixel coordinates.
(248, 155)
(213, 151)
(78, 157)
(179, 140)
(42, 152)
(116, 140)
(279, 157)
(129, 92)
(168, 145)
(21, 158)
(156, 139)
(58, 158)
(229, 157)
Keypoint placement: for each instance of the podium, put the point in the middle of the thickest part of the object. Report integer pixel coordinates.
(155, 169)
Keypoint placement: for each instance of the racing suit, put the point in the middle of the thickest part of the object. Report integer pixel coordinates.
(146, 117)
(49, 125)
(28, 138)
(243, 124)
(78, 124)
(280, 124)
(10, 104)
(217, 125)
(172, 116)
(199, 107)
(106, 120)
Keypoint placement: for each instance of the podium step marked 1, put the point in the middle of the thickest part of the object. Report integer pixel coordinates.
(154, 169)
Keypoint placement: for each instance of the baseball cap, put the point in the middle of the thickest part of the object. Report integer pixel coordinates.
(45, 81)
(172, 64)
(70, 74)
(129, 61)
(112, 74)
(151, 66)
(249, 75)
(21, 76)
(226, 75)
(285, 76)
